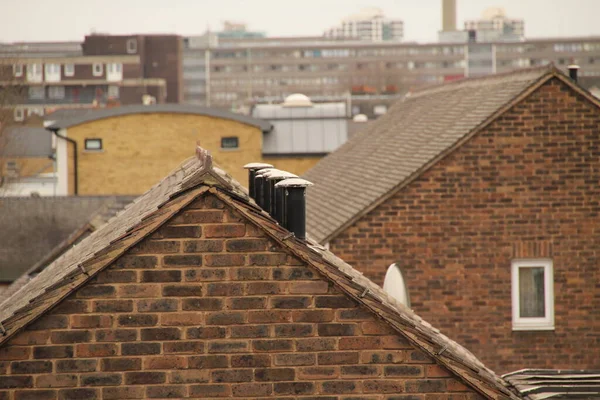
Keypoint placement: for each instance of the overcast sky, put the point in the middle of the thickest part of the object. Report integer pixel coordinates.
(47, 20)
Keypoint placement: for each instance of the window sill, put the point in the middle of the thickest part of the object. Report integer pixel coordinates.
(532, 328)
(228, 149)
(93, 151)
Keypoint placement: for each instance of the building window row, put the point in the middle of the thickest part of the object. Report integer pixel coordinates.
(51, 72)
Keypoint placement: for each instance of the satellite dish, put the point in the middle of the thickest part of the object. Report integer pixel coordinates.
(395, 286)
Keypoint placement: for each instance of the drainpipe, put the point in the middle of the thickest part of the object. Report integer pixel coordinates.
(74, 143)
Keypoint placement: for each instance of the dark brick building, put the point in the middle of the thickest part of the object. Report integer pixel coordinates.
(106, 71)
(194, 292)
(484, 192)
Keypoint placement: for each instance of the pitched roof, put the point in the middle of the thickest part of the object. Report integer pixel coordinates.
(102, 113)
(554, 384)
(27, 141)
(47, 222)
(416, 132)
(191, 180)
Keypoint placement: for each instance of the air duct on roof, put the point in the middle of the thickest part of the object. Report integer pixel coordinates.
(573, 71)
(260, 187)
(252, 168)
(295, 205)
(277, 194)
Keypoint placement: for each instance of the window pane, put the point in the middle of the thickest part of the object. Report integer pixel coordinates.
(531, 292)
(93, 144)
(229, 142)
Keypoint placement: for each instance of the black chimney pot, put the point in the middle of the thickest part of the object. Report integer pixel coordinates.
(277, 199)
(260, 182)
(295, 205)
(252, 168)
(573, 70)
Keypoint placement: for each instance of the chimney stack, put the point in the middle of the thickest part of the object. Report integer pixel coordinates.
(295, 205)
(573, 70)
(277, 194)
(252, 168)
(448, 15)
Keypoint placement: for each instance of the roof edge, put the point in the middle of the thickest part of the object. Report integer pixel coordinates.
(173, 108)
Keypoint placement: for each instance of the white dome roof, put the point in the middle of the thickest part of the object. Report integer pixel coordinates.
(360, 118)
(297, 100)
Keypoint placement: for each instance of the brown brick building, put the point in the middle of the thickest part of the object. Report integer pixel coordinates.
(104, 71)
(484, 192)
(194, 292)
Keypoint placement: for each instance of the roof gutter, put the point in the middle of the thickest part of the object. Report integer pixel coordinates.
(54, 130)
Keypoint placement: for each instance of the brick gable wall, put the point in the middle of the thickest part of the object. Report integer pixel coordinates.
(527, 186)
(208, 307)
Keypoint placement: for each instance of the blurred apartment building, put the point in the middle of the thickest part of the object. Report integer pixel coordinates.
(231, 73)
(103, 70)
(236, 69)
(369, 24)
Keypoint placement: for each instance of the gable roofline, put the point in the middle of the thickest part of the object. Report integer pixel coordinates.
(197, 178)
(551, 72)
(170, 108)
(401, 319)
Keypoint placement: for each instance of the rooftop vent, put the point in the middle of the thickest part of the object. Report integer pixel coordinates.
(297, 100)
(277, 194)
(360, 118)
(295, 205)
(252, 168)
(573, 71)
(261, 199)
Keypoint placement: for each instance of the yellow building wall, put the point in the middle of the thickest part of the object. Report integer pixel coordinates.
(293, 164)
(141, 149)
(27, 167)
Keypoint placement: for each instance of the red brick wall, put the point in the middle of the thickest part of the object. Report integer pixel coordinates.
(210, 308)
(527, 186)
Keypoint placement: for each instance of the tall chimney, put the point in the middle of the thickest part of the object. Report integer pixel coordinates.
(573, 71)
(277, 199)
(295, 209)
(252, 168)
(448, 15)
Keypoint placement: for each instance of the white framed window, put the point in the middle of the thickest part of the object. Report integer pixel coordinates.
(114, 72)
(69, 69)
(131, 46)
(18, 70)
(34, 72)
(395, 285)
(532, 294)
(94, 144)
(97, 69)
(52, 72)
(35, 111)
(56, 92)
(36, 93)
(19, 114)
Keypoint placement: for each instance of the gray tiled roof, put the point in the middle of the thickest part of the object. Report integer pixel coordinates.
(191, 180)
(27, 141)
(45, 221)
(83, 117)
(401, 144)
